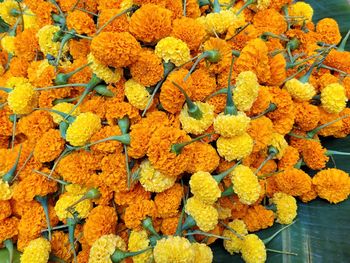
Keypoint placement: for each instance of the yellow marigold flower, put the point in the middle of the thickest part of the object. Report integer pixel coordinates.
(47, 46)
(23, 98)
(103, 72)
(332, 185)
(64, 107)
(8, 44)
(253, 249)
(278, 141)
(138, 240)
(300, 91)
(246, 91)
(204, 187)
(286, 207)
(30, 19)
(206, 216)
(153, 180)
(15, 81)
(104, 247)
(234, 245)
(5, 191)
(83, 208)
(173, 50)
(245, 184)
(136, 94)
(194, 126)
(83, 127)
(37, 251)
(231, 125)
(76, 189)
(333, 98)
(218, 22)
(202, 253)
(262, 4)
(173, 250)
(5, 11)
(235, 148)
(301, 9)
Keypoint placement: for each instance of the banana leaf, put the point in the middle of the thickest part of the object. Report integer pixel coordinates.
(321, 232)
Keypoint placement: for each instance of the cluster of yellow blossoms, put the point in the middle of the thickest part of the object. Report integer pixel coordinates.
(145, 130)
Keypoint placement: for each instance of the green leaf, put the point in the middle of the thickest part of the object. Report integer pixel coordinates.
(4, 27)
(4, 256)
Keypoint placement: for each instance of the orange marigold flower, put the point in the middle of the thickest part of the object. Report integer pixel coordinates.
(115, 49)
(190, 31)
(309, 196)
(102, 220)
(293, 181)
(108, 146)
(345, 130)
(289, 158)
(89, 5)
(47, 97)
(238, 210)
(261, 130)
(41, 73)
(192, 8)
(169, 225)
(325, 80)
(270, 20)
(5, 209)
(254, 57)
(278, 70)
(332, 184)
(159, 153)
(26, 44)
(49, 146)
(81, 22)
(326, 117)
(346, 84)
(307, 116)
(108, 4)
(314, 155)
(239, 41)
(148, 69)
(95, 105)
(271, 186)
(171, 97)
(150, 23)
(79, 48)
(60, 246)
(18, 67)
(203, 84)
(6, 124)
(134, 195)
(120, 24)
(329, 31)
(338, 59)
(83, 256)
(8, 228)
(278, 4)
(176, 7)
(262, 102)
(145, 2)
(137, 212)
(258, 217)
(203, 158)
(224, 50)
(219, 102)
(116, 111)
(168, 202)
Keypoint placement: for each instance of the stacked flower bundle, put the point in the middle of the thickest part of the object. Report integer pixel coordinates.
(143, 131)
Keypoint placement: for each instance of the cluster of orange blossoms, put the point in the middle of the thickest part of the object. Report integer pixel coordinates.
(145, 130)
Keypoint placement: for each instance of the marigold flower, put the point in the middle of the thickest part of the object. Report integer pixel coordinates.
(314, 155)
(257, 217)
(218, 22)
(5, 190)
(307, 116)
(202, 253)
(235, 148)
(104, 72)
(8, 44)
(293, 181)
(328, 30)
(289, 159)
(102, 220)
(332, 184)
(234, 245)
(168, 202)
(5, 209)
(104, 247)
(47, 46)
(300, 91)
(83, 127)
(173, 249)
(148, 69)
(225, 53)
(286, 206)
(203, 157)
(119, 24)
(278, 70)
(8, 228)
(204, 187)
(23, 98)
(136, 212)
(49, 146)
(171, 97)
(38, 250)
(270, 20)
(333, 98)
(136, 94)
(301, 9)
(138, 240)
(253, 249)
(64, 107)
(108, 146)
(279, 142)
(206, 216)
(60, 246)
(115, 49)
(134, 195)
(231, 125)
(254, 57)
(326, 117)
(66, 200)
(81, 22)
(150, 23)
(246, 91)
(261, 131)
(26, 44)
(173, 50)
(245, 184)
(309, 196)
(203, 84)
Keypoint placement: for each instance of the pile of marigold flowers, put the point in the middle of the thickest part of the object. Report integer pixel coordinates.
(145, 130)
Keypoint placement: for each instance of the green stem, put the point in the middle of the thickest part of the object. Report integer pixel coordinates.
(230, 108)
(51, 178)
(295, 74)
(62, 79)
(43, 200)
(313, 132)
(23, 165)
(232, 230)
(13, 131)
(218, 178)
(331, 152)
(71, 228)
(127, 166)
(56, 228)
(229, 191)
(8, 177)
(216, 6)
(189, 223)
(10, 248)
(103, 90)
(66, 116)
(64, 41)
(124, 124)
(269, 239)
(334, 69)
(216, 93)
(124, 139)
(272, 153)
(63, 127)
(210, 55)
(281, 252)
(249, 2)
(7, 90)
(57, 101)
(342, 45)
(203, 3)
(193, 110)
(62, 86)
(119, 255)
(148, 225)
(177, 147)
(265, 36)
(65, 152)
(93, 193)
(198, 232)
(294, 64)
(272, 107)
